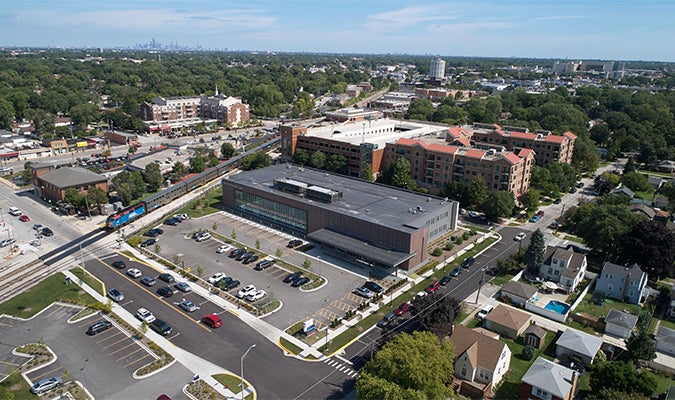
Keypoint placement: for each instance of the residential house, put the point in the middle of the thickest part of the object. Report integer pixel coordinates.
(518, 293)
(507, 321)
(564, 267)
(547, 380)
(623, 191)
(481, 360)
(619, 323)
(643, 209)
(621, 283)
(665, 340)
(534, 336)
(577, 343)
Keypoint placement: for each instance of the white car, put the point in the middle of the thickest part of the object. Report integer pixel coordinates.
(204, 236)
(181, 217)
(245, 291)
(223, 248)
(145, 315)
(520, 237)
(188, 306)
(217, 277)
(134, 272)
(484, 312)
(256, 295)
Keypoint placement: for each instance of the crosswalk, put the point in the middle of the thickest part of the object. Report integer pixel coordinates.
(349, 371)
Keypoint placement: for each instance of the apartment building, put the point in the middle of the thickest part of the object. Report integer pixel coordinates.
(191, 109)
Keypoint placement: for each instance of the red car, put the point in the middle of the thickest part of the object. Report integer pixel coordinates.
(402, 309)
(212, 320)
(433, 286)
(540, 213)
(24, 218)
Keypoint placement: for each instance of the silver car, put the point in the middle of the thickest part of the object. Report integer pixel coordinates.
(46, 384)
(115, 295)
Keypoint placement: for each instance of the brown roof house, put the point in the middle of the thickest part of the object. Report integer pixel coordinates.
(52, 184)
(564, 267)
(481, 360)
(548, 380)
(534, 336)
(507, 321)
(518, 293)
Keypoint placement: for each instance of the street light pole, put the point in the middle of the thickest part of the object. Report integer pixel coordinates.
(480, 284)
(242, 370)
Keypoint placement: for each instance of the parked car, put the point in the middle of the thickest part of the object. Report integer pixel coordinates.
(386, 320)
(134, 272)
(445, 279)
(554, 225)
(433, 287)
(462, 211)
(250, 259)
(264, 264)
(217, 277)
(519, 237)
(38, 227)
(148, 281)
(115, 295)
(98, 327)
(364, 292)
(46, 232)
(168, 278)
(45, 385)
(468, 262)
(484, 311)
(24, 218)
(181, 217)
(183, 286)
(245, 291)
(557, 201)
(256, 295)
(171, 222)
(237, 252)
(232, 284)
(119, 264)
(145, 315)
(402, 308)
(580, 185)
(165, 291)
(7, 242)
(242, 256)
(374, 287)
(151, 233)
(223, 248)
(161, 327)
(540, 213)
(14, 211)
(302, 281)
(294, 243)
(188, 306)
(473, 214)
(293, 276)
(204, 236)
(534, 218)
(148, 242)
(455, 272)
(212, 320)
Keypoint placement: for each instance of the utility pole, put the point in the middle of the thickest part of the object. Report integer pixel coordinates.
(480, 284)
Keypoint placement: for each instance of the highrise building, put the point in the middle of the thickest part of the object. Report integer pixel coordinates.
(437, 69)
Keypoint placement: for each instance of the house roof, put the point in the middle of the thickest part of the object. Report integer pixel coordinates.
(508, 317)
(483, 350)
(574, 261)
(621, 319)
(625, 191)
(648, 211)
(72, 176)
(519, 289)
(525, 152)
(633, 272)
(665, 335)
(535, 330)
(579, 342)
(551, 377)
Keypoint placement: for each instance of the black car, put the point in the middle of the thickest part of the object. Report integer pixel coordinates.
(261, 265)
(374, 287)
(292, 277)
(168, 278)
(223, 282)
(250, 259)
(119, 264)
(455, 272)
(232, 284)
(386, 320)
(302, 281)
(468, 262)
(158, 230)
(165, 291)
(242, 256)
(161, 327)
(444, 280)
(237, 252)
(171, 222)
(46, 232)
(151, 233)
(294, 243)
(99, 327)
(148, 242)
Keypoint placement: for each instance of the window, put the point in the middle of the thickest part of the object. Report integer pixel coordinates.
(464, 371)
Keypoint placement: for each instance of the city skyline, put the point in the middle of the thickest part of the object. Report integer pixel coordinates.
(574, 29)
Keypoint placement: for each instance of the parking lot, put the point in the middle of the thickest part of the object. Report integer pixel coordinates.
(324, 303)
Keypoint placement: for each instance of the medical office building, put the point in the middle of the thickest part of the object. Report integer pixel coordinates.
(365, 223)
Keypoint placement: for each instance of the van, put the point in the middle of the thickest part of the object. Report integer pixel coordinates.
(14, 211)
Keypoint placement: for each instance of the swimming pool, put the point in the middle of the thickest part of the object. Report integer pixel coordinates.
(558, 307)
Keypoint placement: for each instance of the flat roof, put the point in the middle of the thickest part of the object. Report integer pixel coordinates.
(383, 205)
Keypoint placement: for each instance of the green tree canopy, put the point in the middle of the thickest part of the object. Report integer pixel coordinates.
(411, 366)
(197, 164)
(436, 314)
(318, 159)
(73, 197)
(300, 157)
(641, 346)
(621, 376)
(477, 192)
(96, 197)
(337, 163)
(534, 255)
(637, 182)
(153, 177)
(256, 160)
(226, 150)
(530, 200)
(651, 245)
(498, 204)
(400, 176)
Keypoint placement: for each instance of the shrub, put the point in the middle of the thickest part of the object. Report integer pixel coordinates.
(528, 353)
(448, 246)
(465, 235)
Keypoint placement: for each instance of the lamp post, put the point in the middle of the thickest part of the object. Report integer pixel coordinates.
(242, 369)
(480, 284)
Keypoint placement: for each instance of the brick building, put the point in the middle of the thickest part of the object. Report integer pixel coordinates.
(193, 109)
(51, 183)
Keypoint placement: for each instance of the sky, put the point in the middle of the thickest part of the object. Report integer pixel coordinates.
(552, 29)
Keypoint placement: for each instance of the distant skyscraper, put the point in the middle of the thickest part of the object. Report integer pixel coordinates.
(437, 69)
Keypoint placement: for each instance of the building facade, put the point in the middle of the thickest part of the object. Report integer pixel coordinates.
(621, 283)
(51, 183)
(369, 224)
(437, 68)
(194, 109)
(564, 267)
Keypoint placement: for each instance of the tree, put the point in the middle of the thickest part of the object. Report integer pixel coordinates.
(73, 197)
(367, 173)
(400, 175)
(178, 170)
(153, 177)
(631, 166)
(498, 204)
(621, 376)
(534, 255)
(318, 159)
(651, 245)
(530, 200)
(124, 193)
(256, 160)
(96, 197)
(641, 346)
(668, 190)
(300, 157)
(477, 191)
(132, 149)
(436, 315)
(636, 181)
(6, 114)
(457, 191)
(226, 150)
(197, 164)
(413, 366)
(602, 225)
(337, 163)
(420, 109)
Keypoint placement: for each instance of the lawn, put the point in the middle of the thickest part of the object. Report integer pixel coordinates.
(667, 323)
(18, 386)
(54, 288)
(645, 195)
(88, 279)
(210, 203)
(589, 307)
(232, 382)
(573, 238)
(501, 280)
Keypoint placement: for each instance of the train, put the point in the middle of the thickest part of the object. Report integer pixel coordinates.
(166, 196)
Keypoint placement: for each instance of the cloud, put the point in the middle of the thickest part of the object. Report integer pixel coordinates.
(405, 17)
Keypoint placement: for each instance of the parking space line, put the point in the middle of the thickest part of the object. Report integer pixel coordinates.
(125, 347)
(9, 363)
(53, 312)
(129, 354)
(114, 343)
(176, 335)
(50, 372)
(137, 360)
(108, 337)
(7, 325)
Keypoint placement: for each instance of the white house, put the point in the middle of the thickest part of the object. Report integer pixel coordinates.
(665, 340)
(576, 343)
(565, 267)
